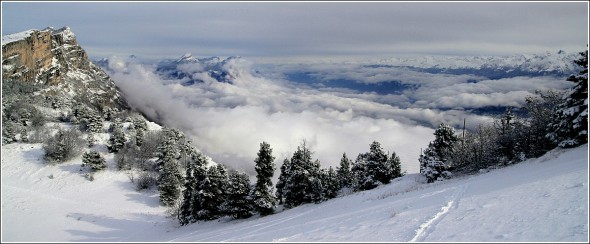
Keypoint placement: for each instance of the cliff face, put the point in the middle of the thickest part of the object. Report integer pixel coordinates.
(54, 59)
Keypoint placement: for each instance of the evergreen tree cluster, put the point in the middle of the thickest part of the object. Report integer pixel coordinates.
(553, 119)
(303, 181)
(211, 192)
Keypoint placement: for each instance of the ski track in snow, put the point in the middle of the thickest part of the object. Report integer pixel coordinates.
(543, 199)
(428, 227)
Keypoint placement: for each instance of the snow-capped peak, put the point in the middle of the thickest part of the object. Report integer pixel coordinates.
(187, 57)
(16, 36)
(66, 32)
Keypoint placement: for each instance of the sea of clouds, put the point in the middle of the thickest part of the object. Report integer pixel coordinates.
(228, 121)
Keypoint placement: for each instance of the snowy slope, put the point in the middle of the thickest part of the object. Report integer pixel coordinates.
(543, 199)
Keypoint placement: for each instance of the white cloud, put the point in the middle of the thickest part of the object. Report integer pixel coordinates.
(228, 121)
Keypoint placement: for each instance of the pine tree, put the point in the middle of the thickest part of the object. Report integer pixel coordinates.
(213, 193)
(140, 127)
(93, 122)
(117, 139)
(396, 166)
(444, 140)
(264, 201)
(435, 160)
(285, 172)
(372, 169)
(345, 176)
(505, 126)
(170, 180)
(571, 126)
(316, 188)
(196, 175)
(331, 183)
(93, 160)
(303, 181)
(238, 203)
(434, 168)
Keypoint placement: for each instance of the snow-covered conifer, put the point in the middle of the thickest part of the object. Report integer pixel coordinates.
(93, 160)
(264, 201)
(570, 128)
(238, 203)
(345, 176)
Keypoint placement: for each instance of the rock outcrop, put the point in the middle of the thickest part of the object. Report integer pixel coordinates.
(53, 58)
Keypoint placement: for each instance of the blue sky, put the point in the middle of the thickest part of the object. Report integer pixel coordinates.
(305, 29)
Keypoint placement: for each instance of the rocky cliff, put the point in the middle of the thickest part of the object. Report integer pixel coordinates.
(52, 58)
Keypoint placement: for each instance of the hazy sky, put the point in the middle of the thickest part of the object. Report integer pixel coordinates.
(346, 29)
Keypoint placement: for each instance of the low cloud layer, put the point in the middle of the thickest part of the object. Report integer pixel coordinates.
(228, 121)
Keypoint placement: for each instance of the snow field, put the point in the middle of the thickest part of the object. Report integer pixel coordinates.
(544, 199)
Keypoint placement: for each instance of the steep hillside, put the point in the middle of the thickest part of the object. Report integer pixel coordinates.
(544, 199)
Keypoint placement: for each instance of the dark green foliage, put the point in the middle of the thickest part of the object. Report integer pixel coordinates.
(8, 132)
(303, 179)
(90, 139)
(330, 183)
(434, 168)
(192, 203)
(395, 165)
(570, 128)
(88, 118)
(132, 156)
(344, 172)
(117, 139)
(140, 127)
(264, 201)
(213, 193)
(238, 202)
(170, 180)
(437, 158)
(24, 114)
(372, 169)
(285, 167)
(93, 160)
(65, 145)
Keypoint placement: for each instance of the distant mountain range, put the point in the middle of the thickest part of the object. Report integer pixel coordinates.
(559, 63)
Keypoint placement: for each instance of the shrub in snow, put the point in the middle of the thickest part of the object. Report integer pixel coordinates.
(145, 180)
(93, 160)
(39, 135)
(64, 145)
(8, 133)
